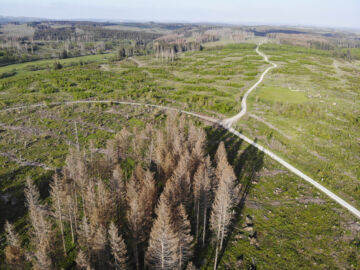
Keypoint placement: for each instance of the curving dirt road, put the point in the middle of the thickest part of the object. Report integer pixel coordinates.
(227, 123)
(212, 120)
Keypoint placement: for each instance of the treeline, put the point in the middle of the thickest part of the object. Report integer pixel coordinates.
(168, 50)
(163, 49)
(145, 204)
(88, 34)
(14, 55)
(337, 46)
(65, 33)
(136, 48)
(73, 41)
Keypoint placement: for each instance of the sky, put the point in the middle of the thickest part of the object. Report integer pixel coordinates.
(335, 13)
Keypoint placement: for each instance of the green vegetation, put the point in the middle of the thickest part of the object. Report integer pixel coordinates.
(305, 110)
(60, 40)
(281, 95)
(314, 128)
(190, 80)
(24, 68)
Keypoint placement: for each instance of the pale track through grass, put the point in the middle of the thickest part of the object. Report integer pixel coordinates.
(230, 121)
(219, 123)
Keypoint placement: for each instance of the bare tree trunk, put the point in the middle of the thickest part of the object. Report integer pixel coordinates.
(77, 137)
(61, 225)
(204, 227)
(222, 233)
(197, 219)
(75, 209)
(83, 203)
(71, 226)
(180, 258)
(136, 252)
(162, 255)
(216, 255)
(151, 150)
(217, 246)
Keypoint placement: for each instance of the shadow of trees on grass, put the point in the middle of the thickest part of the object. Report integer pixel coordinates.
(247, 161)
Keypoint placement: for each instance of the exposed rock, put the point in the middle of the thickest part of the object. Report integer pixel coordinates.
(239, 262)
(249, 220)
(308, 200)
(252, 204)
(266, 172)
(253, 235)
(249, 229)
(253, 241)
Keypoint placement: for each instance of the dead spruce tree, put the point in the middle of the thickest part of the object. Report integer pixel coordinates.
(82, 261)
(41, 239)
(85, 235)
(13, 250)
(196, 146)
(226, 198)
(163, 243)
(99, 255)
(118, 248)
(76, 170)
(58, 198)
(182, 229)
(118, 191)
(141, 196)
(106, 201)
(190, 266)
(178, 188)
(202, 196)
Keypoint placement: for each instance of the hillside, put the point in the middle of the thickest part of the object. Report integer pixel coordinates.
(305, 110)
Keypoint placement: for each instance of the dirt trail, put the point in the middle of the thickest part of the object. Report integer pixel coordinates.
(230, 121)
(215, 121)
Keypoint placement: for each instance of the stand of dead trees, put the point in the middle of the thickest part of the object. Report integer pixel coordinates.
(107, 212)
(168, 50)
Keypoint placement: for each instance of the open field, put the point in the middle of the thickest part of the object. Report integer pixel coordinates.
(314, 122)
(209, 80)
(285, 211)
(293, 223)
(306, 111)
(32, 66)
(278, 94)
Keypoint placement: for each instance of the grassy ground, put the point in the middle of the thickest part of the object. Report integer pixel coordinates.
(293, 224)
(296, 227)
(44, 135)
(210, 80)
(25, 68)
(316, 126)
(306, 111)
(279, 94)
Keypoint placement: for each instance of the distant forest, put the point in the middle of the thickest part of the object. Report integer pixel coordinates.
(64, 39)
